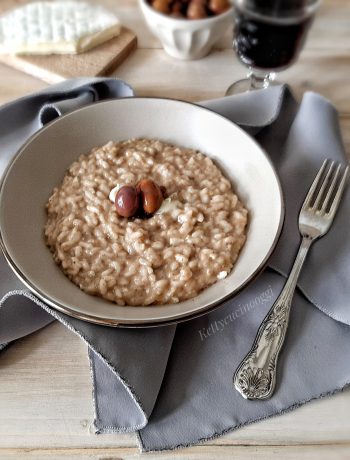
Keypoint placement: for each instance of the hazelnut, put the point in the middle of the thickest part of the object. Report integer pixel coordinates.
(196, 10)
(151, 196)
(163, 6)
(218, 6)
(127, 201)
(177, 9)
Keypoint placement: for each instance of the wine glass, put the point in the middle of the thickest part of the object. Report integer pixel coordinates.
(268, 37)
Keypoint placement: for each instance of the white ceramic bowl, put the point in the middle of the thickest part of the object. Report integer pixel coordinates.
(41, 164)
(185, 38)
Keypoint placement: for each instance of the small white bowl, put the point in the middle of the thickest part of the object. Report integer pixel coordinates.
(187, 38)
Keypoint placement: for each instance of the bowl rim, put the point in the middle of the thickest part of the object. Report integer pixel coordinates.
(184, 21)
(134, 323)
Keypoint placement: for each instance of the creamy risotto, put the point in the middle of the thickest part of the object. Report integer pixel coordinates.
(191, 242)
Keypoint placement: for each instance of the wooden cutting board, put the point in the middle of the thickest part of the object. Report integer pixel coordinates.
(54, 68)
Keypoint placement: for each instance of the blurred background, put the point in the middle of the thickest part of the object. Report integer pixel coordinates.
(323, 66)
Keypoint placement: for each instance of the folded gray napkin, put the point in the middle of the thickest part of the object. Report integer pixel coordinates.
(141, 381)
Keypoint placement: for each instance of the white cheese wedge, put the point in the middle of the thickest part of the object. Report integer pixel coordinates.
(62, 27)
(113, 193)
(167, 205)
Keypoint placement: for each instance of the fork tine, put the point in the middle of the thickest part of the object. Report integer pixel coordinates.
(339, 193)
(331, 189)
(322, 189)
(314, 185)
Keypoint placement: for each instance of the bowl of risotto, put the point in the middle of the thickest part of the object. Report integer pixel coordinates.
(139, 212)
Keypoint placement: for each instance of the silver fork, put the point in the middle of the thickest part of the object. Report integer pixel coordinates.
(255, 377)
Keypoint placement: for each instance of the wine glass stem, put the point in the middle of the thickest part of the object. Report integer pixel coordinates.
(260, 80)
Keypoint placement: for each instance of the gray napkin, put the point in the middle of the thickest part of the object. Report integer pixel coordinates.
(141, 380)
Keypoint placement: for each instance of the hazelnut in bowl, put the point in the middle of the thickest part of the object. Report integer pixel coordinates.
(188, 29)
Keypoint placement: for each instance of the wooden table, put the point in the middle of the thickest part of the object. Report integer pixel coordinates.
(45, 387)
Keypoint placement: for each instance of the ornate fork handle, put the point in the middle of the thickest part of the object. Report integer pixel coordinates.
(255, 378)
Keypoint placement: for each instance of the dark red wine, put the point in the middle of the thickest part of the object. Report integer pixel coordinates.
(268, 42)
